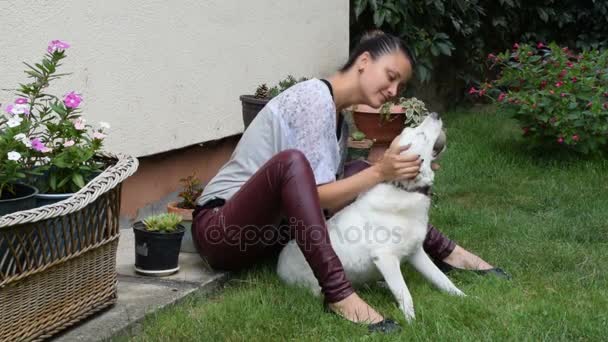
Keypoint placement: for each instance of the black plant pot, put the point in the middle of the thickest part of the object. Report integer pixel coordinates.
(23, 199)
(251, 107)
(157, 254)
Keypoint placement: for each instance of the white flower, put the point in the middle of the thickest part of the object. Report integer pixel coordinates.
(14, 155)
(79, 124)
(45, 160)
(22, 138)
(68, 143)
(19, 137)
(14, 121)
(104, 125)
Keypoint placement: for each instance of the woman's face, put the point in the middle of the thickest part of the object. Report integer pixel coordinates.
(380, 78)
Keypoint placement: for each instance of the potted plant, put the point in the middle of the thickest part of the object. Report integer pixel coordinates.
(66, 151)
(358, 146)
(252, 104)
(191, 190)
(157, 244)
(383, 124)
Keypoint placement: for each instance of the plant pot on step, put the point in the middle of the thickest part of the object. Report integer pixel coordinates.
(368, 120)
(187, 245)
(359, 149)
(157, 253)
(251, 107)
(23, 198)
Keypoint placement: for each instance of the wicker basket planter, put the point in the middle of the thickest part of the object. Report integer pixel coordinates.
(58, 262)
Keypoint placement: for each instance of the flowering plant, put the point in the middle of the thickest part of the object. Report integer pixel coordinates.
(415, 110)
(15, 146)
(559, 97)
(62, 147)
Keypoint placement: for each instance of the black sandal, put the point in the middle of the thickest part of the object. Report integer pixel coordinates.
(385, 326)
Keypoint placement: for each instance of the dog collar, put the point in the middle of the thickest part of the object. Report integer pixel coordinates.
(425, 190)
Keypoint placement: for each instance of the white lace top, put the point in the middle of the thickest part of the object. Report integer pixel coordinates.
(303, 117)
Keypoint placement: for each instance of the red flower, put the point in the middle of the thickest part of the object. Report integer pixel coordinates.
(574, 79)
(560, 140)
(543, 84)
(473, 91)
(606, 105)
(501, 97)
(575, 137)
(569, 64)
(515, 46)
(540, 45)
(492, 56)
(563, 94)
(482, 92)
(559, 84)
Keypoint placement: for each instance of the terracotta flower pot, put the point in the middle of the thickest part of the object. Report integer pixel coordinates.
(367, 119)
(186, 214)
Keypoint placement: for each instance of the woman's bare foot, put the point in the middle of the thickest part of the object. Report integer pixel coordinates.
(355, 309)
(461, 258)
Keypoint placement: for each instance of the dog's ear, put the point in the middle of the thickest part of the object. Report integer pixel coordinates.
(440, 145)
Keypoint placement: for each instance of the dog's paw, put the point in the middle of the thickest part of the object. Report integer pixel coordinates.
(409, 314)
(457, 292)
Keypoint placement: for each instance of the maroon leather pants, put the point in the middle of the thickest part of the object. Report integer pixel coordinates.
(246, 227)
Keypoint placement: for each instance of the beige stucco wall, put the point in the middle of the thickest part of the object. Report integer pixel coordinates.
(167, 74)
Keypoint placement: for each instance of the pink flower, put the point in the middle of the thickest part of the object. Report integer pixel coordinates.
(68, 143)
(565, 49)
(551, 92)
(589, 104)
(575, 137)
(543, 84)
(515, 46)
(79, 124)
(569, 64)
(501, 97)
(473, 91)
(21, 100)
(37, 145)
(57, 45)
(559, 84)
(492, 56)
(563, 94)
(574, 79)
(72, 100)
(482, 92)
(99, 135)
(540, 45)
(46, 149)
(560, 140)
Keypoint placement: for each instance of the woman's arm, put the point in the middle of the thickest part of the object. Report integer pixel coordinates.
(392, 166)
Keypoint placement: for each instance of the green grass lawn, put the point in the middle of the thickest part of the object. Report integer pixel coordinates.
(542, 217)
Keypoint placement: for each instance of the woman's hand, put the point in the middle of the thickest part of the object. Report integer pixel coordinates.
(395, 166)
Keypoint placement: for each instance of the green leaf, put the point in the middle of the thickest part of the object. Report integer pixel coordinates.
(59, 109)
(445, 49)
(53, 181)
(78, 180)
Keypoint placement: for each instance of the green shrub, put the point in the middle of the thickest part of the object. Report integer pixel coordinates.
(559, 97)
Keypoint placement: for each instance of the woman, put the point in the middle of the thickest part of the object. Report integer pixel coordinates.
(286, 166)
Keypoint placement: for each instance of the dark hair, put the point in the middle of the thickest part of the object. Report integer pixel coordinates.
(378, 43)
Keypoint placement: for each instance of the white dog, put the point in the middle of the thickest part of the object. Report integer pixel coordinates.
(383, 227)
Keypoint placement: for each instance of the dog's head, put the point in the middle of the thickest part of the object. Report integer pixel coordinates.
(429, 141)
